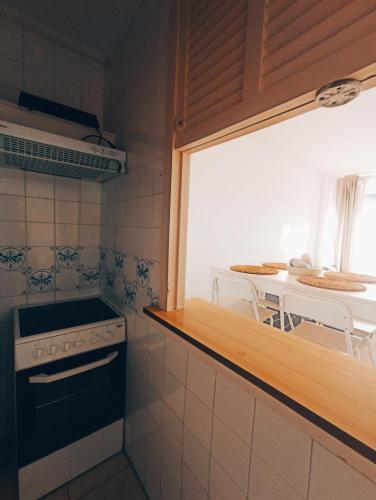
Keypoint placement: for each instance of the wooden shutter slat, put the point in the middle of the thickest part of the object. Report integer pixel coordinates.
(236, 57)
(230, 46)
(225, 103)
(225, 28)
(291, 32)
(213, 84)
(276, 8)
(223, 11)
(319, 34)
(366, 25)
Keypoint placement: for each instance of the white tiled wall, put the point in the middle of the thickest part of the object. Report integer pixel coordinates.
(135, 109)
(39, 65)
(215, 439)
(49, 249)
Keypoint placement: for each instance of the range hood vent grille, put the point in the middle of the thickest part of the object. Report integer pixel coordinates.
(38, 156)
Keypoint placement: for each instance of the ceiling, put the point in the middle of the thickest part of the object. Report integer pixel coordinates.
(92, 26)
(338, 141)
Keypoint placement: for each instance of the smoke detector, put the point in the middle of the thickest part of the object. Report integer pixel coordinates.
(338, 93)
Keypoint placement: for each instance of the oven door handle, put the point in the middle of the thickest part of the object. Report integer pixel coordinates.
(43, 378)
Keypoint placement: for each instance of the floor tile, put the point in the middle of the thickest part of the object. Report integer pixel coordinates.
(59, 494)
(123, 486)
(97, 475)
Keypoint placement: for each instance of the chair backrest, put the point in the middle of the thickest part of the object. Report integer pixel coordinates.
(329, 312)
(236, 294)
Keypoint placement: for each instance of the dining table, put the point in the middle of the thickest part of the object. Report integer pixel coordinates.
(362, 304)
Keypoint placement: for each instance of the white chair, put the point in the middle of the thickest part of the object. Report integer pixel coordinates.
(332, 324)
(239, 295)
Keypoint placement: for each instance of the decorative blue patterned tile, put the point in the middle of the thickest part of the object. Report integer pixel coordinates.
(12, 258)
(41, 280)
(130, 291)
(143, 271)
(90, 277)
(67, 257)
(119, 258)
(102, 254)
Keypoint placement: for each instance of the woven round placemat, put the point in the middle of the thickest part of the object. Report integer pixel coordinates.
(359, 278)
(276, 265)
(254, 269)
(332, 284)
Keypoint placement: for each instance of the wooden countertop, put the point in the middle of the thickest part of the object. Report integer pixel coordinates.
(334, 392)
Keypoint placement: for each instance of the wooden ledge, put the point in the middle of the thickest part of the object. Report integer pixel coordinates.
(335, 393)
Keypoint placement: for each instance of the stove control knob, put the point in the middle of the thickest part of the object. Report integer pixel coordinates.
(66, 346)
(78, 343)
(53, 349)
(38, 353)
(94, 339)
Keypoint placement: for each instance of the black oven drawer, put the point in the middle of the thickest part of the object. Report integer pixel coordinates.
(66, 400)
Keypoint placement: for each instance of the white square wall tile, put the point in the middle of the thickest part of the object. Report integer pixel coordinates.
(191, 488)
(40, 185)
(171, 473)
(157, 210)
(90, 213)
(11, 72)
(67, 189)
(40, 234)
(221, 487)
(176, 359)
(201, 379)
(197, 458)
(67, 212)
(68, 93)
(12, 181)
(172, 429)
(12, 284)
(198, 419)
(155, 374)
(11, 41)
(266, 484)
(90, 192)
(283, 446)
(234, 406)
(89, 235)
(12, 208)
(332, 479)
(174, 394)
(157, 345)
(12, 234)
(40, 257)
(231, 454)
(39, 210)
(67, 235)
(38, 82)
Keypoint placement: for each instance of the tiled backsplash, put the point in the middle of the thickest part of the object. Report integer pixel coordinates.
(49, 250)
(41, 66)
(135, 109)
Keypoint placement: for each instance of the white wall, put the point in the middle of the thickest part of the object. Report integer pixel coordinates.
(249, 203)
(41, 66)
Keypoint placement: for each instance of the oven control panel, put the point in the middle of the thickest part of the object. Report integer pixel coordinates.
(39, 352)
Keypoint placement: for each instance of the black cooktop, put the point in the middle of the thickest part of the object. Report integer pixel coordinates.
(51, 317)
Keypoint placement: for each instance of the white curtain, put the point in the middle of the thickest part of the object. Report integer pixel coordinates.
(349, 201)
(327, 223)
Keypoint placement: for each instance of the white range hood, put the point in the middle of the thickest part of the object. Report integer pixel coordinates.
(37, 151)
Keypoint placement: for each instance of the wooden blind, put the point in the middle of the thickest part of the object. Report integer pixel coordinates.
(243, 58)
(215, 58)
(300, 33)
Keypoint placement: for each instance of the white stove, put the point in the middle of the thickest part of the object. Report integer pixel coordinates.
(70, 390)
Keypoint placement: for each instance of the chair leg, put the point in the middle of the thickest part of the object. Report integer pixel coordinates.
(291, 323)
(371, 353)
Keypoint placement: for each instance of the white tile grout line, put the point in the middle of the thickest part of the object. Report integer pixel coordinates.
(251, 445)
(212, 428)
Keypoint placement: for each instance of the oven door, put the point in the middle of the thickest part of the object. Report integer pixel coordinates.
(66, 400)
